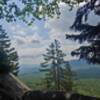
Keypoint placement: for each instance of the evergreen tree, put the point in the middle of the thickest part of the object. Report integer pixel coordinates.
(58, 75)
(8, 55)
(88, 33)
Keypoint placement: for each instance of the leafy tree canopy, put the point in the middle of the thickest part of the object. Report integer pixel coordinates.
(29, 10)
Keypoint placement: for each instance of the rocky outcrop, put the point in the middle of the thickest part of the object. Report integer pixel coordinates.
(40, 95)
(11, 87)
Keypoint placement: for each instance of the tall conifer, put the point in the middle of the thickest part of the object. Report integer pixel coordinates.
(58, 75)
(8, 55)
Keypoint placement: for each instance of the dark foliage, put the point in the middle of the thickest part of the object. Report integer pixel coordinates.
(8, 55)
(82, 13)
(44, 95)
(54, 95)
(76, 96)
(90, 34)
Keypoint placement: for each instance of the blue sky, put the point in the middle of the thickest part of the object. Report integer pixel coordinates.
(32, 41)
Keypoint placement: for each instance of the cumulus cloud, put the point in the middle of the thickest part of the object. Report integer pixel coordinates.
(31, 55)
(24, 36)
(61, 25)
(26, 41)
(31, 42)
(58, 28)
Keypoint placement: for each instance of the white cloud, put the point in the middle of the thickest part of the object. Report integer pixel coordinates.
(58, 28)
(31, 55)
(23, 35)
(30, 44)
(26, 41)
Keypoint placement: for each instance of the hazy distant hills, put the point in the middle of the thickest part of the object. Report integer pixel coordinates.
(82, 69)
(88, 73)
(81, 64)
(85, 70)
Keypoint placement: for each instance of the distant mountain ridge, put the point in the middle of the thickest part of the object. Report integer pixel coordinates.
(85, 70)
(82, 69)
(27, 70)
(91, 73)
(81, 64)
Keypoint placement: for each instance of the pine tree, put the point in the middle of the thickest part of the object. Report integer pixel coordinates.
(88, 33)
(58, 75)
(8, 55)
